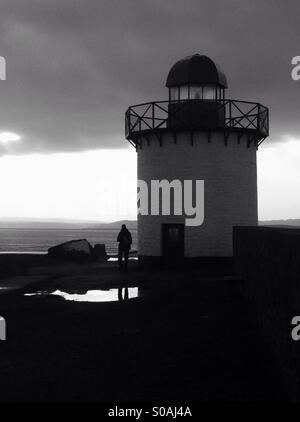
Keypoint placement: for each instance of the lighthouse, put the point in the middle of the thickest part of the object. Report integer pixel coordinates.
(197, 137)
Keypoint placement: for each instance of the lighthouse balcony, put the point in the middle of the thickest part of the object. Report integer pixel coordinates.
(192, 115)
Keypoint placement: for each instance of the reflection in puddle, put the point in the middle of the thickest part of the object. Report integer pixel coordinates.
(115, 258)
(111, 295)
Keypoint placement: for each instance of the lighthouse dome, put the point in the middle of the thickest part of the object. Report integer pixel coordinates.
(196, 70)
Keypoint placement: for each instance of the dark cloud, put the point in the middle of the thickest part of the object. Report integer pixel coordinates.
(73, 66)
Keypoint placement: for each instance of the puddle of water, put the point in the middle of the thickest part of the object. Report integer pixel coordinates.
(115, 259)
(111, 295)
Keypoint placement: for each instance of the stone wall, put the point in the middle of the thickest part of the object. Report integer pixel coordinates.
(268, 261)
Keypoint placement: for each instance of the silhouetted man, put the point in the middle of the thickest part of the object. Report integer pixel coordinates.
(125, 240)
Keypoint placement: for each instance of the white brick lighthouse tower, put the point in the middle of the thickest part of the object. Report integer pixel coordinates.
(196, 135)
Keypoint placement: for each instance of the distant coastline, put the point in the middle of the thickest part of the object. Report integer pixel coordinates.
(30, 223)
(290, 222)
(19, 223)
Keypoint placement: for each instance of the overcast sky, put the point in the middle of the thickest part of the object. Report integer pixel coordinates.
(74, 66)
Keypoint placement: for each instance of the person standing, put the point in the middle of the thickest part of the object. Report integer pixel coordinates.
(125, 241)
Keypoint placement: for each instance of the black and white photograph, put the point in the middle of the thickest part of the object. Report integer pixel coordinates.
(149, 204)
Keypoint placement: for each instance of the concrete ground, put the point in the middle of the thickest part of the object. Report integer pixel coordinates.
(187, 336)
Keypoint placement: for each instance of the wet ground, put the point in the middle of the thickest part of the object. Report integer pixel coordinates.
(93, 333)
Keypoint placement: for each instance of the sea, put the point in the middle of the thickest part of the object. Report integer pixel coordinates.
(39, 240)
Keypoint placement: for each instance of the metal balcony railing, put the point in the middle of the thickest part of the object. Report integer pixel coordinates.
(240, 116)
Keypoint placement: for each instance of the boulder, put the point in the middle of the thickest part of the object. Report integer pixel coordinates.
(74, 250)
(100, 252)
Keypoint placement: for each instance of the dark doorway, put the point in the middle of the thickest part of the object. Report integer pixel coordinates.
(173, 245)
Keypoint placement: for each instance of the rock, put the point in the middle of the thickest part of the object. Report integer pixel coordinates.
(74, 250)
(100, 252)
